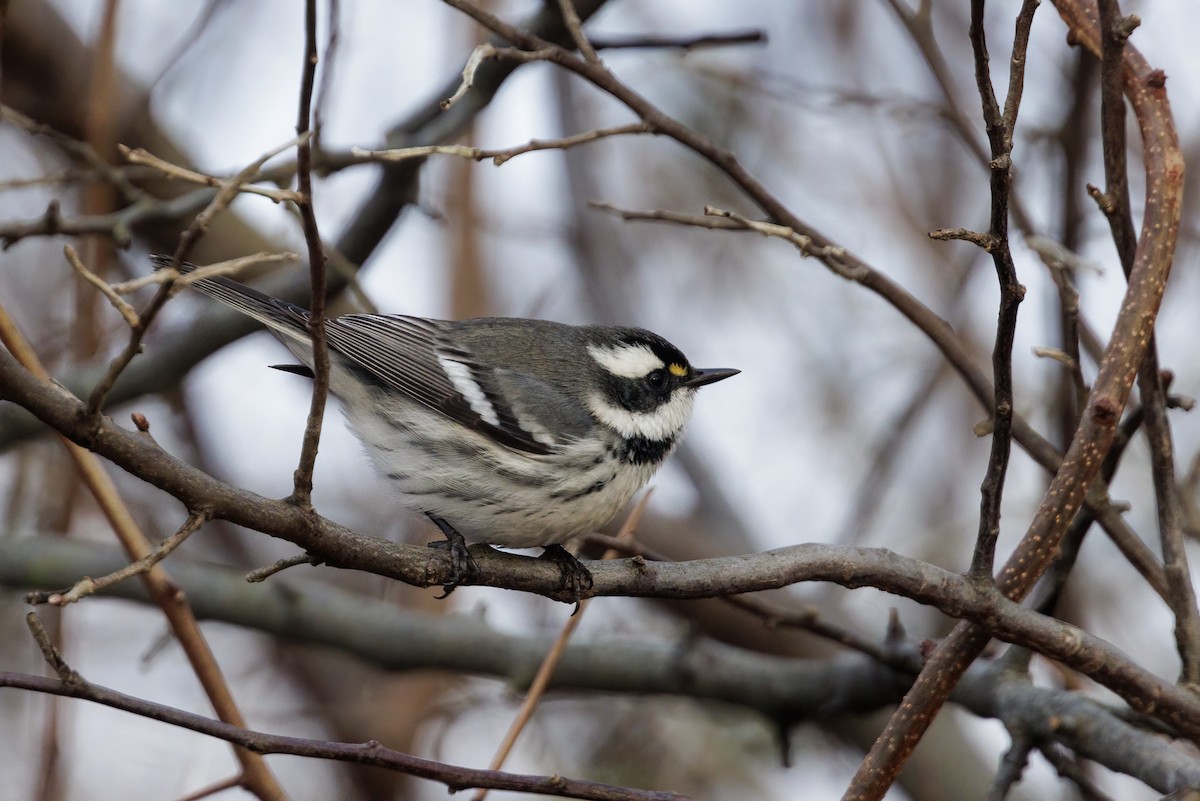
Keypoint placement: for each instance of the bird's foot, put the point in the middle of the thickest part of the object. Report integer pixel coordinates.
(462, 564)
(575, 577)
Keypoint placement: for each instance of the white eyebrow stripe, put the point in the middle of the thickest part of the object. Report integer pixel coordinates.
(460, 376)
(626, 361)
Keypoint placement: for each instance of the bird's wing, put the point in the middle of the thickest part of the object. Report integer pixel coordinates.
(410, 355)
(418, 358)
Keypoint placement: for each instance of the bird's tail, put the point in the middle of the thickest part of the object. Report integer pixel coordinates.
(287, 320)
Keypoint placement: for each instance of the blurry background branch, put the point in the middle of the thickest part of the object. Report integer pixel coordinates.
(370, 753)
(786, 691)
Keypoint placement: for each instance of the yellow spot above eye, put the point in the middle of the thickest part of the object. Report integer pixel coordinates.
(678, 369)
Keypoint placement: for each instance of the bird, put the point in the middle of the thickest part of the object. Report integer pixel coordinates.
(508, 431)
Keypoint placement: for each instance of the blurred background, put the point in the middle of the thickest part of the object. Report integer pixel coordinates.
(846, 425)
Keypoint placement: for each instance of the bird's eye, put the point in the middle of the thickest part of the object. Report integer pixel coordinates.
(657, 380)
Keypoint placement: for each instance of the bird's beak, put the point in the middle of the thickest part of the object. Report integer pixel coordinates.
(711, 375)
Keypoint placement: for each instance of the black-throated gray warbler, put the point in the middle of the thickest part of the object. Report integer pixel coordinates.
(507, 431)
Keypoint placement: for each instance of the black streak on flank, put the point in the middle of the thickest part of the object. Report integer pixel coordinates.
(640, 450)
(594, 487)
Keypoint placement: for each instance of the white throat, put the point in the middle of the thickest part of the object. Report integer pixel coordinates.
(664, 423)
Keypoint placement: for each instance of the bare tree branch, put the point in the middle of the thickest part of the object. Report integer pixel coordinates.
(850, 567)
(1097, 429)
(794, 689)
(302, 478)
(371, 753)
(1182, 595)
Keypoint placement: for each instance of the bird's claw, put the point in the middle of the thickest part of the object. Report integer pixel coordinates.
(575, 577)
(462, 565)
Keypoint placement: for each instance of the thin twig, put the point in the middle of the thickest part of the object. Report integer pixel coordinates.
(501, 155)
(264, 573)
(721, 220)
(180, 280)
(896, 433)
(574, 27)
(145, 158)
(1058, 355)
(665, 215)
(115, 175)
(803, 242)
(302, 478)
(87, 585)
(214, 788)
(1000, 129)
(50, 653)
(477, 57)
(117, 225)
(919, 24)
(1063, 265)
(118, 302)
(1058, 254)
(984, 241)
(680, 42)
(328, 73)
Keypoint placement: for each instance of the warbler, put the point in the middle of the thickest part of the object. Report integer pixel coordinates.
(507, 431)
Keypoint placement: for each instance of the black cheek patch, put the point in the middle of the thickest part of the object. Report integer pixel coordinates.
(628, 393)
(636, 396)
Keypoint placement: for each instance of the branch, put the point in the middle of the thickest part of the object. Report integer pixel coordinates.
(1107, 514)
(918, 23)
(117, 225)
(498, 156)
(370, 753)
(706, 578)
(574, 26)
(114, 175)
(1000, 129)
(302, 478)
(89, 586)
(772, 615)
(143, 157)
(123, 308)
(1097, 427)
(895, 743)
(1182, 595)
(793, 690)
(680, 42)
